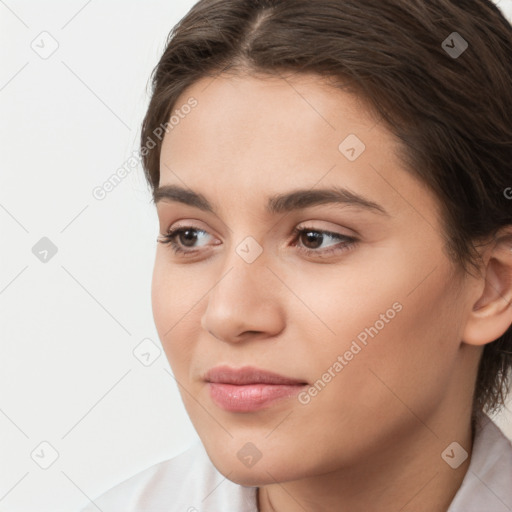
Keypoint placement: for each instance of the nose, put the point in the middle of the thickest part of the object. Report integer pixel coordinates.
(244, 302)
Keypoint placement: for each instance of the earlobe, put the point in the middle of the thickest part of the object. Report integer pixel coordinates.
(491, 314)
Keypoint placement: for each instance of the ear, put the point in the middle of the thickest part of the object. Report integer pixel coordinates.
(491, 314)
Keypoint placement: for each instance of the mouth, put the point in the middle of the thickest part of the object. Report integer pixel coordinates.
(249, 389)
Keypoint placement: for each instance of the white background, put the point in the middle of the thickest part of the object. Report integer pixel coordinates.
(68, 327)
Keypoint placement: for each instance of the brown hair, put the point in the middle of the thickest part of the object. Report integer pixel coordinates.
(452, 112)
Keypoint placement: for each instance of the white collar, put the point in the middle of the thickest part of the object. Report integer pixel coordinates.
(487, 485)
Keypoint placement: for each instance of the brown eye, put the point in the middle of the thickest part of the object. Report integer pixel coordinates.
(311, 241)
(187, 237)
(183, 239)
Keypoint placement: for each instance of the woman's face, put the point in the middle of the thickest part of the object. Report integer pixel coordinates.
(362, 310)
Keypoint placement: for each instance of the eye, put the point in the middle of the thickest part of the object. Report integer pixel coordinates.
(312, 240)
(183, 240)
(187, 236)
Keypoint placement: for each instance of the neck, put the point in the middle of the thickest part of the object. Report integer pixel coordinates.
(408, 474)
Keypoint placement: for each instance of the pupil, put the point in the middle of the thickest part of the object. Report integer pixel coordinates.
(189, 235)
(316, 238)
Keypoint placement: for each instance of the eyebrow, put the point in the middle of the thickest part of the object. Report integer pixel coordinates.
(279, 203)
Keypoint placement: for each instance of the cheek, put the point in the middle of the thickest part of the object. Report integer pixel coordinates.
(175, 300)
(398, 345)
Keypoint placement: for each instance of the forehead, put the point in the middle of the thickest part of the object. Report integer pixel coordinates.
(268, 123)
(262, 135)
(236, 107)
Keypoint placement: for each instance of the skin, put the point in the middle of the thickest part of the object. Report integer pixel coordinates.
(372, 438)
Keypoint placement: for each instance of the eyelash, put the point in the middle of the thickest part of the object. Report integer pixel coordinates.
(348, 242)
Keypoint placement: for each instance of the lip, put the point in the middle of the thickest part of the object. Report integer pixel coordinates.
(248, 388)
(248, 375)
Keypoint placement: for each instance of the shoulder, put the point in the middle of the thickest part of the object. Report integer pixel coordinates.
(487, 485)
(188, 482)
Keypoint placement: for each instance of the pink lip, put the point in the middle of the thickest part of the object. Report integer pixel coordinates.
(248, 389)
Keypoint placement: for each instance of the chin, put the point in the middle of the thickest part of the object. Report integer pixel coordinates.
(256, 476)
(248, 478)
(267, 470)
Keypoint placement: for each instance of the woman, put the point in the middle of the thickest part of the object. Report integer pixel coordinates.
(333, 280)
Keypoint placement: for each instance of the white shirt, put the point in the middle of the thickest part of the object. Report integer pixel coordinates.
(190, 482)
